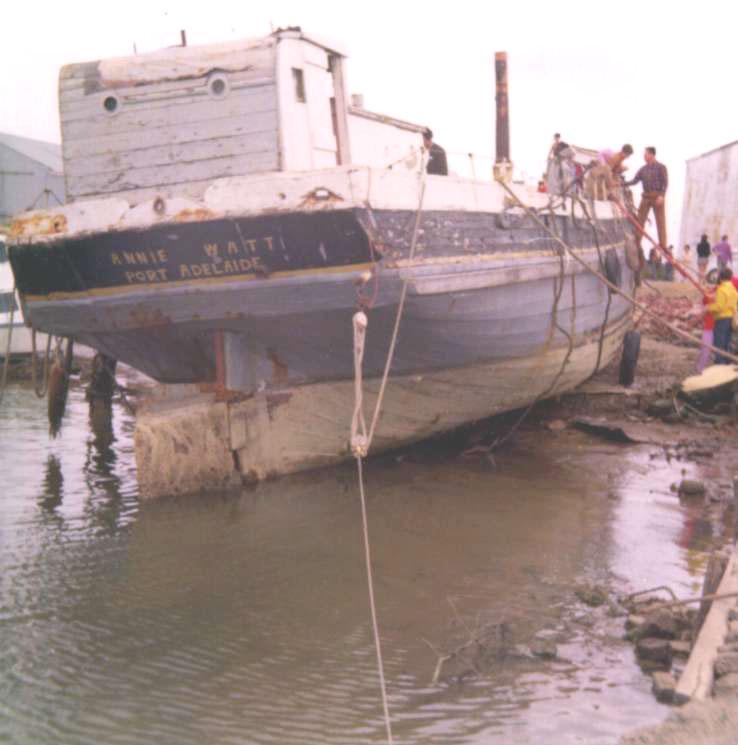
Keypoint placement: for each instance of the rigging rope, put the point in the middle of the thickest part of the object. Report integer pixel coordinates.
(645, 309)
(558, 289)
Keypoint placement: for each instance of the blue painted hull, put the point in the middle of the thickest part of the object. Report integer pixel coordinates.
(278, 293)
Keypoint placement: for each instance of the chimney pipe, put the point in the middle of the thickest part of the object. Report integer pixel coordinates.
(503, 165)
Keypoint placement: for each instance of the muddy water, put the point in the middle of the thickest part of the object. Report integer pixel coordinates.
(244, 619)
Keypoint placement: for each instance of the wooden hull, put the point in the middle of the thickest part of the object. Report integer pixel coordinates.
(185, 442)
(271, 294)
(253, 304)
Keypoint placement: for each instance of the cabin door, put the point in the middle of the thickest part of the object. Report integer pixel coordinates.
(318, 94)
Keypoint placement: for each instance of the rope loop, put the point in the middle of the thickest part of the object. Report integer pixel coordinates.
(359, 438)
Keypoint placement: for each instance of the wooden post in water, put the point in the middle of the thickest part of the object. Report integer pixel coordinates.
(99, 395)
(503, 164)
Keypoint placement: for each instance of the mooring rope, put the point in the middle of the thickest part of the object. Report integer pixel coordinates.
(361, 440)
(372, 605)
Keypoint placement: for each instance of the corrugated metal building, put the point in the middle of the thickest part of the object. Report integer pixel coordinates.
(31, 175)
(711, 196)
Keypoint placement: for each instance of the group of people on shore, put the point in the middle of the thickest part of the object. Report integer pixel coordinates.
(722, 251)
(721, 305)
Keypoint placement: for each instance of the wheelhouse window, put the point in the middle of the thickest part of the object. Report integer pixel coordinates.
(299, 79)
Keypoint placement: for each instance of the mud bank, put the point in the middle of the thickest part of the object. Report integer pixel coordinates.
(650, 413)
(711, 677)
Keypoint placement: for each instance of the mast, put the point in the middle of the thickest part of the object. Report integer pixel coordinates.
(503, 164)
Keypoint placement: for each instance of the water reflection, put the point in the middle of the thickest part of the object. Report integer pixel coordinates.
(243, 617)
(51, 496)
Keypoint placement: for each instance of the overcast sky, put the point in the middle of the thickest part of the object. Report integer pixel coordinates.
(601, 74)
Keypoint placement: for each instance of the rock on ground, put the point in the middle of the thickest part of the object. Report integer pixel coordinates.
(664, 686)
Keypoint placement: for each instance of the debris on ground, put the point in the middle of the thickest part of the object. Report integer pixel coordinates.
(682, 311)
(592, 595)
(715, 383)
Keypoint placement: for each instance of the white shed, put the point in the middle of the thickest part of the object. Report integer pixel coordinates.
(30, 175)
(711, 196)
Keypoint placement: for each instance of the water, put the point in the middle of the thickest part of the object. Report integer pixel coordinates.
(244, 618)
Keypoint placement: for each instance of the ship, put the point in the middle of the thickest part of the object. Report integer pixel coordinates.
(229, 210)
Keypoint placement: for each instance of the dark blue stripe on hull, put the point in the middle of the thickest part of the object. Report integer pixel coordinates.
(191, 251)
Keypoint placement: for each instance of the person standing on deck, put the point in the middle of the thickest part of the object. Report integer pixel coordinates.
(654, 180)
(723, 253)
(607, 172)
(616, 161)
(723, 310)
(556, 146)
(703, 256)
(437, 164)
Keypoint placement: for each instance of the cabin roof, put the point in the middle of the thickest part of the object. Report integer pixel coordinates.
(178, 62)
(46, 153)
(171, 63)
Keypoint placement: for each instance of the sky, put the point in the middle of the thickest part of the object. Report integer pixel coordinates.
(601, 74)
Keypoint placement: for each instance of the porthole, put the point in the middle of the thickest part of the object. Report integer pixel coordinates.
(217, 85)
(110, 104)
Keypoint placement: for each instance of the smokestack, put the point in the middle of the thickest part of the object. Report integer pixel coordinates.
(503, 165)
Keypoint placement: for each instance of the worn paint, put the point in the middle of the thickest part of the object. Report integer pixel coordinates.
(278, 193)
(190, 215)
(145, 317)
(38, 223)
(280, 370)
(320, 196)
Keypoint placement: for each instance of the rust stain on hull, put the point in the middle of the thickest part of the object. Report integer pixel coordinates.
(280, 371)
(191, 215)
(146, 318)
(38, 223)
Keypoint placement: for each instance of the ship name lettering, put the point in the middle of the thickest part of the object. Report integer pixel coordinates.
(229, 266)
(139, 258)
(146, 275)
(249, 246)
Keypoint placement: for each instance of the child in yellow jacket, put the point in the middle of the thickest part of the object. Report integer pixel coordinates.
(723, 310)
